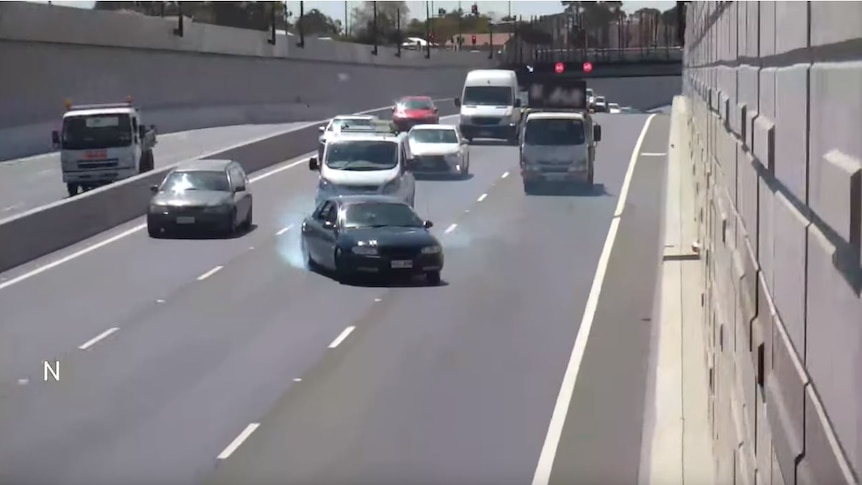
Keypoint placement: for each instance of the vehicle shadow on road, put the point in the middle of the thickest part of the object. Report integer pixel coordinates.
(597, 190)
(405, 282)
(490, 143)
(433, 177)
(207, 235)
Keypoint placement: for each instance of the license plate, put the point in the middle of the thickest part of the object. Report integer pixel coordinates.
(185, 220)
(402, 264)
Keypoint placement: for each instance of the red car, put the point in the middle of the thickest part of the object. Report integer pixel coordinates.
(414, 110)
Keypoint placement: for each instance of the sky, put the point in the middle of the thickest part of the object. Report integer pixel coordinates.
(335, 8)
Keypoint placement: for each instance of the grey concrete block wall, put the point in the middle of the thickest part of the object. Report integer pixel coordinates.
(775, 91)
(212, 76)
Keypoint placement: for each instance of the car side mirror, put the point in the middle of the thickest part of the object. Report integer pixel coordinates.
(597, 133)
(55, 139)
(457, 102)
(428, 224)
(321, 129)
(154, 188)
(517, 103)
(313, 164)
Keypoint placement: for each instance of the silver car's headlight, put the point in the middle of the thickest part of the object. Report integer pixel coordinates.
(436, 249)
(364, 250)
(390, 187)
(215, 209)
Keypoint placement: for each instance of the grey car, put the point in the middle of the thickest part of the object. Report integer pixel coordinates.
(202, 195)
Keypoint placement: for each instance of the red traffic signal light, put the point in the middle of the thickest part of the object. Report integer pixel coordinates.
(588, 66)
(559, 68)
(473, 39)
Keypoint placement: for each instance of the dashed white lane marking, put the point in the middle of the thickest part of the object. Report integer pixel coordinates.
(653, 154)
(160, 300)
(297, 379)
(23, 382)
(564, 399)
(98, 338)
(505, 174)
(481, 197)
(376, 300)
(284, 230)
(450, 228)
(210, 273)
(238, 441)
(341, 337)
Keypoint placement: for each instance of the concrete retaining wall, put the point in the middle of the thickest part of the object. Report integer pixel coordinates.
(211, 76)
(776, 130)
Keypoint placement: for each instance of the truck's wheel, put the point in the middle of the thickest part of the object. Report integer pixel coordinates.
(72, 189)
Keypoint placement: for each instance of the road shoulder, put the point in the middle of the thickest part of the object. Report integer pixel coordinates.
(676, 442)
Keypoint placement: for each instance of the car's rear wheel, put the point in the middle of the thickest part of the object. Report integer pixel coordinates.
(249, 219)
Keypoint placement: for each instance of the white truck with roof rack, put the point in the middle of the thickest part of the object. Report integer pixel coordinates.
(365, 160)
(102, 143)
(559, 136)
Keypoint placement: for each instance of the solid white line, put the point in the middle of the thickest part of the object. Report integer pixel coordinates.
(649, 154)
(564, 398)
(505, 174)
(54, 264)
(481, 197)
(93, 341)
(238, 441)
(283, 230)
(210, 273)
(624, 191)
(347, 331)
(450, 228)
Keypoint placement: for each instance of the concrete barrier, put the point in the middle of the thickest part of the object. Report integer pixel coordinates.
(775, 128)
(212, 76)
(36, 233)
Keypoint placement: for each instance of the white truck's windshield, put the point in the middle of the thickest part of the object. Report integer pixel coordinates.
(97, 132)
(554, 132)
(362, 155)
(488, 96)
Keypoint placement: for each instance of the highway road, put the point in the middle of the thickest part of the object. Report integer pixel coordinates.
(32, 182)
(224, 362)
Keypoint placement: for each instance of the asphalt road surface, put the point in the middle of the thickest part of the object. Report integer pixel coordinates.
(32, 182)
(172, 351)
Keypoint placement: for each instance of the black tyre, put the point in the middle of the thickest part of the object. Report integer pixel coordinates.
(72, 189)
(433, 278)
(231, 225)
(154, 231)
(249, 219)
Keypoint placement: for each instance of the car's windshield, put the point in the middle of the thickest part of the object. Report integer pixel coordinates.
(554, 132)
(488, 96)
(426, 135)
(362, 155)
(380, 214)
(196, 180)
(97, 132)
(342, 122)
(600, 99)
(422, 104)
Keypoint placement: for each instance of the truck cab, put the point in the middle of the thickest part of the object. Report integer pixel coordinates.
(103, 143)
(559, 136)
(558, 147)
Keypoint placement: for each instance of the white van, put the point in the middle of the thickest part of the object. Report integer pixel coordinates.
(365, 163)
(490, 107)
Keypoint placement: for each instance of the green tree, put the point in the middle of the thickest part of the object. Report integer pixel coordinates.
(316, 22)
(389, 16)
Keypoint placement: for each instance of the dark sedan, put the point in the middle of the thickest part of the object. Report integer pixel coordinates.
(370, 235)
(203, 194)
